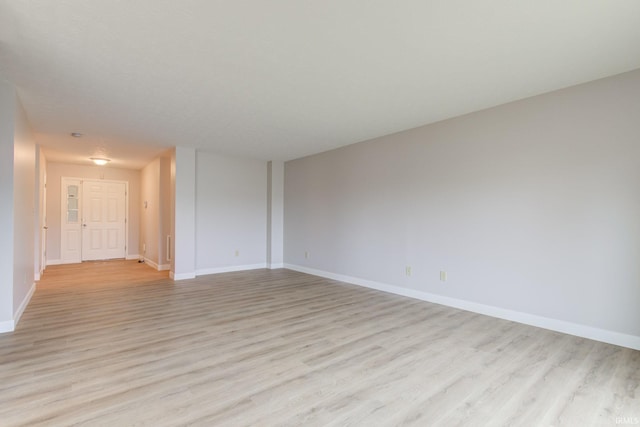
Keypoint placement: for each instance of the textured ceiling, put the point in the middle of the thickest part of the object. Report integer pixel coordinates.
(286, 78)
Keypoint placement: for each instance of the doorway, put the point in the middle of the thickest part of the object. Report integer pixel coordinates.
(93, 220)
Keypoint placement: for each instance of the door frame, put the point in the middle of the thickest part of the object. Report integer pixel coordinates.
(63, 212)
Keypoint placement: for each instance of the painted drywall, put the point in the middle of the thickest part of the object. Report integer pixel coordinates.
(184, 183)
(55, 172)
(150, 216)
(172, 221)
(275, 214)
(24, 211)
(231, 207)
(17, 208)
(40, 209)
(156, 208)
(7, 114)
(531, 207)
(166, 211)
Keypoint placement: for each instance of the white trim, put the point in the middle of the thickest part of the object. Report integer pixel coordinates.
(23, 305)
(150, 263)
(229, 269)
(36, 277)
(205, 271)
(7, 326)
(132, 257)
(611, 337)
(10, 325)
(182, 276)
(56, 262)
(156, 266)
(273, 266)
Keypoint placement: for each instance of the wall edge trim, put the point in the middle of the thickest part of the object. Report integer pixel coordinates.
(182, 276)
(7, 326)
(232, 268)
(23, 305)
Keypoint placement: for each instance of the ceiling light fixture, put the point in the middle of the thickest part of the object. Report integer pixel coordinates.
(100, 161)
(76, 134)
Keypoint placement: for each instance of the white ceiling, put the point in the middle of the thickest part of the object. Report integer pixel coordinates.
(282, 79)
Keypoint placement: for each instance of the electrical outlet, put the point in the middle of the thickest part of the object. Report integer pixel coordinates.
(407, 270)
(443, 276)
(306, 255)
(237, 252)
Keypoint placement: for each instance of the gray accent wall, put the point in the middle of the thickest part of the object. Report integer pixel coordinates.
(531, 207)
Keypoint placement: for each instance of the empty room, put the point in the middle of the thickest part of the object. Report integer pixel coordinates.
(319, 213)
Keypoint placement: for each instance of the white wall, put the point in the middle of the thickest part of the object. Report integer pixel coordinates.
(183, 264)
(532, 208)
(231, 207)
(172, 213)
(150, 212)
(24, 211)
(166, 210)
(55, 171)
(40, 209)
(17, 208)
(7, 113)
(275, 214)
(156, 205)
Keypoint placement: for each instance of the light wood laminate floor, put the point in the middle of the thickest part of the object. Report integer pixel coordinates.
(118, 344)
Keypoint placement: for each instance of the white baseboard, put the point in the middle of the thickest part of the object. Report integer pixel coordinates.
(273, 266)
(603, 335)
(54, 262)
(182, 276)
(10, 325)
(205, 271)
(7, 326)
(23, 305)
(229, 269)
(156, 266)
(132, 256)
(150, 263)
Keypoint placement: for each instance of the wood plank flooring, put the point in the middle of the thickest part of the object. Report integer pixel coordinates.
(118, 344)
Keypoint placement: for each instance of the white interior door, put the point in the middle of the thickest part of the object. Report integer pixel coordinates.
(104, 223)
